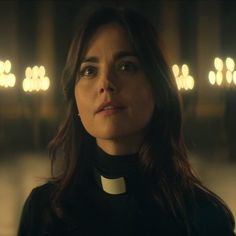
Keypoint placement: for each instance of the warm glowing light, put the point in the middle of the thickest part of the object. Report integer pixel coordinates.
(183, 80)
(230, 64)
(190, 82)
(7, 66)
(12, 80)
(234, 77)
(229, 76)
(185, 70)
(35, 79)
(212, 77)
(28, 72)
(224, 73)
(178, 82)
(219, 77)
(41, 71)
(25, 85)
(7, 79)
(35, 72)
(45, 83)
(218, 63)
(175, 70)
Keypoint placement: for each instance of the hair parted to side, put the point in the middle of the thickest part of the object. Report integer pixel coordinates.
(162, 157)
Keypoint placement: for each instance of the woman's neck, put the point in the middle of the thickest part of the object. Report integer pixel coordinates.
(119, 147)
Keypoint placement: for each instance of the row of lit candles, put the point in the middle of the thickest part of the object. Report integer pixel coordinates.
(223, 70)
(224, 74)
(35, 79)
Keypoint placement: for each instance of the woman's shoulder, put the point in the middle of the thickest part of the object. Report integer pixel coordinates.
(209, 204)
(36, 212)
(211, 214)
(39, 199)
(42, 192)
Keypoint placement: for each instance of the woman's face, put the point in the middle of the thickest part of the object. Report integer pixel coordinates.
(113, 95)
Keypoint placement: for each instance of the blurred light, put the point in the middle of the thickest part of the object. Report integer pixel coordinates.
(35, 79)
(7, 79)
(11, 80)
(7, 66)
(26, 85)
(212, 77)
(224, 74)
(45, 83)
(218, 63)
(230, 64)
(190, 82)
(35, 72)
(219, 77)
(41, 71)
(185, 70)
(183, 79)
(178, 82)
(229, 76)
(175, 70)
(28, 72)
(234, 77)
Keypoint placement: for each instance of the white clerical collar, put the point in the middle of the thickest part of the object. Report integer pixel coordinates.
(114, 174)
(113, 186)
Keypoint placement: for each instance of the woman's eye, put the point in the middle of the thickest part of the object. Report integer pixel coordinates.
(128, 67)
(88, 71)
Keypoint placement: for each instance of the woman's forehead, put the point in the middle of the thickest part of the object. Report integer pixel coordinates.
(110, 38)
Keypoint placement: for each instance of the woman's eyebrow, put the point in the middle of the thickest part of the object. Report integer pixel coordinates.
(90, 59)
(117, 56)
(122, 54)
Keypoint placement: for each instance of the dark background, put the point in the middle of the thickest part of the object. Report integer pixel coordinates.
(40, 32)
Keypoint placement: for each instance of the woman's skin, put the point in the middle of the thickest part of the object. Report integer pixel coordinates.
(110, 72)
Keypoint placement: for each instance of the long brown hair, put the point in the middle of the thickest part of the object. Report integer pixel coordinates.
(162, 157)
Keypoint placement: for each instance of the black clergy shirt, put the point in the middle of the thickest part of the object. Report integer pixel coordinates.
(97, 212)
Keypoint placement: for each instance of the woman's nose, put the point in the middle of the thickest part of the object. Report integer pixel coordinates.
(108, 82)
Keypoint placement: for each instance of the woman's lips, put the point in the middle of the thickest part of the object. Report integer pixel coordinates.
(108, 105)
(111, 111)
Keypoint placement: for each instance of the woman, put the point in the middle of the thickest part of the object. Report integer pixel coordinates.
(125, 165)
